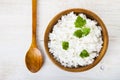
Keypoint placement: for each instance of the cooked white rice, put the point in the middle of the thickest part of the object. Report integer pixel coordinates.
(63, 31)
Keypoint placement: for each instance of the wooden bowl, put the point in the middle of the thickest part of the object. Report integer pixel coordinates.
(90, 15)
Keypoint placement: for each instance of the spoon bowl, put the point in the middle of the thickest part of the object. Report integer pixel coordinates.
(33, 59)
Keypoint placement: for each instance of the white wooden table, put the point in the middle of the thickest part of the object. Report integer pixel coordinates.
(15, 39)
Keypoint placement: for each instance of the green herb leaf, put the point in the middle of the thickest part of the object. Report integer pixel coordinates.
(79, 22)
(85, 31)
(84, 54)
(65, 45)
(78, 33)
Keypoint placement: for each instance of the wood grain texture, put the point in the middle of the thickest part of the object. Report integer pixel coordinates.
(15, 39)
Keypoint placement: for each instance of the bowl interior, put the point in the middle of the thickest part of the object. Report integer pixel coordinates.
(90, 15)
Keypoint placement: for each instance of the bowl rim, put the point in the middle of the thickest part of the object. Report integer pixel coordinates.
(104, 36)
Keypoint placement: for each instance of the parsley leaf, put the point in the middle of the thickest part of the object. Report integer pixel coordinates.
(78, 33)
(85, 31)
(79, 22)
(84, 54)
(65, 45)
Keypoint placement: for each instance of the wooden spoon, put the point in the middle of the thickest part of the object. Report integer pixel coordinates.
(34, 59)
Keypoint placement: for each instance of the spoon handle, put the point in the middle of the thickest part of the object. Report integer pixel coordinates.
(34, 22)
